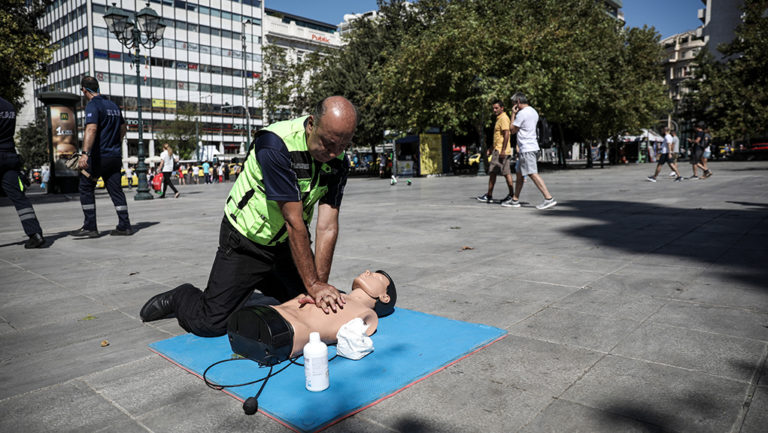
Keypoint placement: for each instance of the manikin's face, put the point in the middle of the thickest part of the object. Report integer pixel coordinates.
(374, 284)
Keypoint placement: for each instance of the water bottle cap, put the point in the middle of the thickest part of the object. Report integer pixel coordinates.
(314, 337)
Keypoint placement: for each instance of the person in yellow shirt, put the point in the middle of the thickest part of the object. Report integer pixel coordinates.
(501, 155)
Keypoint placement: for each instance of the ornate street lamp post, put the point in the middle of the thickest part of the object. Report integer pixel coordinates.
(146, 30)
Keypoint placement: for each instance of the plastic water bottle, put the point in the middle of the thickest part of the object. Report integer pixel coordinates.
(316, 363)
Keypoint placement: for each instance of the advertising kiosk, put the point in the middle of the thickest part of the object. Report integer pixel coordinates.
(61, 112)
(423, 155)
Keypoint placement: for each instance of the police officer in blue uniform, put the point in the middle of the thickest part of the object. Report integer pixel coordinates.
(101, 157)
(10, 163)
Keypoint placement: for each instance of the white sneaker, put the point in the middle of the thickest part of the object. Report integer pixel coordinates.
(672, 174)
(546, 204)
(510, 203)
(650, 179)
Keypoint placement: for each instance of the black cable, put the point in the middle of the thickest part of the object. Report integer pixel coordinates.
(219, 387)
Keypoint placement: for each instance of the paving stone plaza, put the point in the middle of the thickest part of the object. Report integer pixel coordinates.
(630, 306)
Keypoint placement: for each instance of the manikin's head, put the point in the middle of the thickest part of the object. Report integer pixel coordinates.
(330, 128)
(379, 286)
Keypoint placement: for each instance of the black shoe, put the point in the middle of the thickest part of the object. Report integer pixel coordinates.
(82, 232)
(158, 307)
(35, 241)
(118, 232)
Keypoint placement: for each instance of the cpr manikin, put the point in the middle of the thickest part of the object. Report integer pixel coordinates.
(271, 334)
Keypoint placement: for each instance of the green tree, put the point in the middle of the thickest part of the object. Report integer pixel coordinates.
(32, 142)
(181, 132)
(732, 96)
(352, 70)
(578, 67)
(25, 51)
(285, 83)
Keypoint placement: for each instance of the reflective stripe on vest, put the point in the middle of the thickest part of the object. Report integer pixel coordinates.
(247, 207)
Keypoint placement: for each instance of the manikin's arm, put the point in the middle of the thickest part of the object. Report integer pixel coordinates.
(322, 294)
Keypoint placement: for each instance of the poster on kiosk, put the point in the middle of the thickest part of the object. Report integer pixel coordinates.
(61, 110)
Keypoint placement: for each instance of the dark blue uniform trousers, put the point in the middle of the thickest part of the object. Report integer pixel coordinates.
(14, 189)
(108, 168)
(240, 267)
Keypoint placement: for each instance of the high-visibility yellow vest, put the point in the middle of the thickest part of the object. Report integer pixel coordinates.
(247, 207)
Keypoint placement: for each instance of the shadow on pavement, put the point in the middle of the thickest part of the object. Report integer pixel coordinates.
(733, 241)
(51, 238)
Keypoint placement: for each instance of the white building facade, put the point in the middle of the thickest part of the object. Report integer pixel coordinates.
(719, 20)
(200, 62)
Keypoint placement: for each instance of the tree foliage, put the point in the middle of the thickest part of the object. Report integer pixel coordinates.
(25, 50)
(732, 96)
(352, 71)
(182, 133)
(32, 142)
(285, 82)
(575, 63)
(439, 63)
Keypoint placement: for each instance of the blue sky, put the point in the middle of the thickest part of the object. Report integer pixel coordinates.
(667, 16)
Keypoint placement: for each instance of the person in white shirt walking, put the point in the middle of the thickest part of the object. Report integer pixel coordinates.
(166, 167)
(524, 120)
(675, 151)
(129, 176)
(663, 157)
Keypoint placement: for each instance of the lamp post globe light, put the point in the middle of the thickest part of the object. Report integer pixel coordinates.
(145, 30)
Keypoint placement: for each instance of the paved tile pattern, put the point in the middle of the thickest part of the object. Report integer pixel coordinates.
(631, 306)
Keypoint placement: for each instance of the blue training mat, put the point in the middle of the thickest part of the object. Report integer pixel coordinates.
(408, 346)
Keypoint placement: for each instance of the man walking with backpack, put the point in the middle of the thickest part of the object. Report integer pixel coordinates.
(524, 120)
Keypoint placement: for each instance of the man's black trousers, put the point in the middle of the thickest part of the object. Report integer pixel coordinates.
(240, 267)
(14, 189)
(108, 168)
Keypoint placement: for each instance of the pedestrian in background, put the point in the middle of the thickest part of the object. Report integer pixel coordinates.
(207, 172)
(195, 174)
(10, 166)
(182, 171)
(706, 153)
(46, 176)
(167, 159)
(697, 149)
(129, 176)
(524, 120)
(663, 157)
(101, 156)
(675, 151)
(501, 156)
(221, 173)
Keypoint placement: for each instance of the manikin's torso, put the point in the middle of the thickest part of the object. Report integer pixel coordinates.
(308, 318)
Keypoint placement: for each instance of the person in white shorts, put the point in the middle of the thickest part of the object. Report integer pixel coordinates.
(524, 120)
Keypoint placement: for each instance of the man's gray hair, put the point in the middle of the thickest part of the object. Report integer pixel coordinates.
(519, 97)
